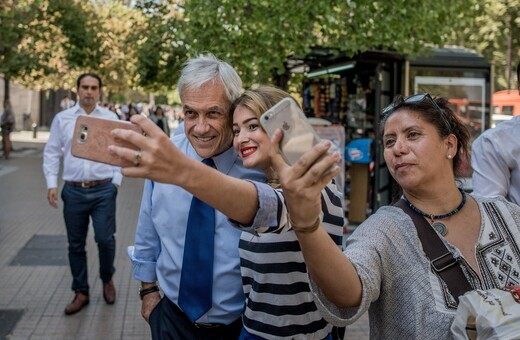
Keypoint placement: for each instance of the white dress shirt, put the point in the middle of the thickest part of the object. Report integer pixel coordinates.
(59, 144)
(495, 161)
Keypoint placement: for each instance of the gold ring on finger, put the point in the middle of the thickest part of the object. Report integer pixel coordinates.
(137, 158)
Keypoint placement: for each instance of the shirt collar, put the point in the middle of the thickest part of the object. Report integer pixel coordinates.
(224, 161)
(79, 110)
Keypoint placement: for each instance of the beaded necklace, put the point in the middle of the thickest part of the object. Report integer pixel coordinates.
(438, 226)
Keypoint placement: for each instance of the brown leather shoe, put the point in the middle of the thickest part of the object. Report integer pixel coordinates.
(109, 292)
(80, 301)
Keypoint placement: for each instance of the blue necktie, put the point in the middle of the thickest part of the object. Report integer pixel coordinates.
(195, 296)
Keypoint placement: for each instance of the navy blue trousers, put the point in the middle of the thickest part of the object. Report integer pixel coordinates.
(79, 205)
(167, 322)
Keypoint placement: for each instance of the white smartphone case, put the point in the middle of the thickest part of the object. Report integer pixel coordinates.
(298, 134)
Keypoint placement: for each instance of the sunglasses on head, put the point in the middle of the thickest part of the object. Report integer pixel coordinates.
(416, 98)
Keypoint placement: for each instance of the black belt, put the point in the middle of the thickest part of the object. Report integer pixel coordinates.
(89, 184)
(219, 327)
(208, 325)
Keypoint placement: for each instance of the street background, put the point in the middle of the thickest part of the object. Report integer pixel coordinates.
(34, 272)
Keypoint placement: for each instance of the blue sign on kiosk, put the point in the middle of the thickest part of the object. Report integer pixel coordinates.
(358, 151)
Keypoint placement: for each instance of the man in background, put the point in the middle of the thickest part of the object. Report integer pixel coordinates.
(495, 159)
(7, 126)
(66, 103)
(90, 191)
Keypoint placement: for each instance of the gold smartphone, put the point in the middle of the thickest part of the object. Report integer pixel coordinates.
(92, 136)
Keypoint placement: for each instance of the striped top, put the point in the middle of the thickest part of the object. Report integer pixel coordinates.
(279, 304)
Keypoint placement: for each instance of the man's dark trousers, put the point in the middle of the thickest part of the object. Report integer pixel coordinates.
(98, 202)
(168, 322)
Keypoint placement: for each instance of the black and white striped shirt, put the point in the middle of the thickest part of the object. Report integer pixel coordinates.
(279, 304)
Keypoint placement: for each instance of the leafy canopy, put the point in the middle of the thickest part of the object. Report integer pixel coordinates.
(257, 37)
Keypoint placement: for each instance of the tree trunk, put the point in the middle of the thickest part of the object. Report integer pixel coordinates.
(7, 94)
(509, 52)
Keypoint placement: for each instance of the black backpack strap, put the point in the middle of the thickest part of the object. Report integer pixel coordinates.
(441, 259)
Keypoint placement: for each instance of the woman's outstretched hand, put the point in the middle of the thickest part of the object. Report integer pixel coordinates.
(303, 182)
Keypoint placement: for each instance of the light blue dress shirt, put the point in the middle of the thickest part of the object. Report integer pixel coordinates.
(161, 229)
(60, 143)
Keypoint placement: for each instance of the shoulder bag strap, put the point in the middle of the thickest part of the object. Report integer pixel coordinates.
(441, 259)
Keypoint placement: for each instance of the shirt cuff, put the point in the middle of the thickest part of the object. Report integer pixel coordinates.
(117, 178)
(142, 270)
(268, 206)
(52, 182)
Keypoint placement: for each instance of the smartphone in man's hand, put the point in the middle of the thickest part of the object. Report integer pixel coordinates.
(92, 136)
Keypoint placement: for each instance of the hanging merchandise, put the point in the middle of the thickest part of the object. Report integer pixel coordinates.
(316, 94)
(326, 98)
(343, 99)
(306, 97)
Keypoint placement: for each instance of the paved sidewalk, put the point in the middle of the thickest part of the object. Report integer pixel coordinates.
(33, 297)
(28, 137)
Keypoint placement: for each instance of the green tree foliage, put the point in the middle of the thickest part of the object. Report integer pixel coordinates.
(258, 36)
(41, 41)
(72, 43)
(48, 44)
(21, 24)
(117, 64)
(160, 44)
(95, 39)
(13, 25)
(495, 32)
(80, 24)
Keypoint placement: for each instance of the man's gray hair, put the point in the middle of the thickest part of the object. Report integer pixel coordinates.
(204, 68)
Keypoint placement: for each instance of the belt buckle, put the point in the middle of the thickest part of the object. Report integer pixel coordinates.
(84, 185)
(206, 325)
